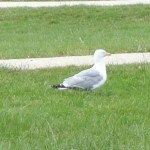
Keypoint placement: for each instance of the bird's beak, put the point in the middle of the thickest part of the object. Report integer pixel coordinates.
(108, 54)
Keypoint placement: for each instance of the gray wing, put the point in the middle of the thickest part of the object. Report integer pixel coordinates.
(85, 79)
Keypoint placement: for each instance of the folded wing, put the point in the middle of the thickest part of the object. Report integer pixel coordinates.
(85, 79)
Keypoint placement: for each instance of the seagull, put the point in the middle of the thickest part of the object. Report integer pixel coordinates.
(88, 79)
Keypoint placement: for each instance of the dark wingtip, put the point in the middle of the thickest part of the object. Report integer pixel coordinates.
(57, 86)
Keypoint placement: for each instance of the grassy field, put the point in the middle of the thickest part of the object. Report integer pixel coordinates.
(113, 117)
(45, 32)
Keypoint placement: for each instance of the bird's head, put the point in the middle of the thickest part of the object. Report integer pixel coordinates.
(99, 54)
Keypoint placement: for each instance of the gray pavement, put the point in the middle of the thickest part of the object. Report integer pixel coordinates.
(37, 63)
(72, 3)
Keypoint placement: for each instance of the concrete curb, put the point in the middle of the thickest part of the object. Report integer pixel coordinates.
(38, 63)
(72, 3)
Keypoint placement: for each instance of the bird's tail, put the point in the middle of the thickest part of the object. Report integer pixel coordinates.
(58, 86)
(62, 87)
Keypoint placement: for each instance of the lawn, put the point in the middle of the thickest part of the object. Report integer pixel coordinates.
(46, 32)
(115, 116)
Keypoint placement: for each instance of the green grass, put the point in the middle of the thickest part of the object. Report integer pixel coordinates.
(113, 117)
(45, 32)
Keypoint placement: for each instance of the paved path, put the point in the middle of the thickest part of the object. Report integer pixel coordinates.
(35, 63)
(72, 3)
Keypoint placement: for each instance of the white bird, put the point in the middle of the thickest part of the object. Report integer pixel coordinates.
(88, 79)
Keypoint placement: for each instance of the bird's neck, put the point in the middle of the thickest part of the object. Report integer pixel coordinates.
(100, 66)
